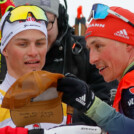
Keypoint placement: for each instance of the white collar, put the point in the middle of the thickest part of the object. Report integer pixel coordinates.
(8, 81)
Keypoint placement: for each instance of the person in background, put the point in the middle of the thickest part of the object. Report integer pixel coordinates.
(103, 41)
(67, 53)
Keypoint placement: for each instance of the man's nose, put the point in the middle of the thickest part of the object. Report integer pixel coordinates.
(93, 57)
(33, 51)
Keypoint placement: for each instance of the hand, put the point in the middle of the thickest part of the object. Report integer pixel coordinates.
(76, 93)
(36, 131)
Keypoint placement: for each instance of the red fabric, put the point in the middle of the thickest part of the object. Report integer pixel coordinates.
(69, 119)
(5, 5)
(131, 90)
(17, 130)
(112, 27)
(79, 12)
(126, 82)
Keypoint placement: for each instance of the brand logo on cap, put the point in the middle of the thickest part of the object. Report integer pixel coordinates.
(45, 3)
(96, 25)
(122, 33)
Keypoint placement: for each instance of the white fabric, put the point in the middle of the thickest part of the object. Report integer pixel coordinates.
(11, 29)
(8, 81)
(74, 129)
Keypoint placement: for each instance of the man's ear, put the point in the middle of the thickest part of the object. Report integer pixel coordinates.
(5, 52)
(129, 47)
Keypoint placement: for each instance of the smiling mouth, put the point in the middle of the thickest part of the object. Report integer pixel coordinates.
(102, 68)
(32, 62)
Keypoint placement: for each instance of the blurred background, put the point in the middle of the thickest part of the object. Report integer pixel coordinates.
(87, 4)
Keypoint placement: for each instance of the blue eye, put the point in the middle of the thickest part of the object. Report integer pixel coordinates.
(39, 43)
(22, 44)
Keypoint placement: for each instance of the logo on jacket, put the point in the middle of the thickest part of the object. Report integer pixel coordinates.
(131, 90)
(131, 102)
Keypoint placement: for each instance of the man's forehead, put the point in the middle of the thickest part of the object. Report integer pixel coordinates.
(93, 40)
(27, 36)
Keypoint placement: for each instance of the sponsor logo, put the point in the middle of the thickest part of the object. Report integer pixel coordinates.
(26, 25)
(30, 19)
(122, 33)
(131, 102)
(96, 25)
(58, 60)
(131, 90)
(81, 100)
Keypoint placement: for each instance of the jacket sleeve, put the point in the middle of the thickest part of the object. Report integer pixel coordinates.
(10, 130)
(108, 119)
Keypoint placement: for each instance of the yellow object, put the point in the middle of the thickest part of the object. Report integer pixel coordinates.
(21, 13)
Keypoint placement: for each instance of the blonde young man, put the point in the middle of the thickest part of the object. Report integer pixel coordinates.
(24, 45)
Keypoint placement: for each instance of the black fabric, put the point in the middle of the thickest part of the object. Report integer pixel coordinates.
(76, 93)
(127, 102)
(3, 68)
(63, 17)
(36, 131)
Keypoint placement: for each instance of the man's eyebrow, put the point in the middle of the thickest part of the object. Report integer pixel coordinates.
(41, 39)
(93, 42)
(17, 39)
(20, 39)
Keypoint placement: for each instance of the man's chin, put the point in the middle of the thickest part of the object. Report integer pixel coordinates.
(108, 79)
(33, 69)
